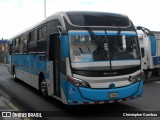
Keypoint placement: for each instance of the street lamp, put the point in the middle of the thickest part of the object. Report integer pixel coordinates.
(44, 8)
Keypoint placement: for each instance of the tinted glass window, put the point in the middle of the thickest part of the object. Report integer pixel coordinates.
(52, 26)
(33, 35)
(17, 41)
(98, 19)
(32, 45)
(42, 32)
(14, 42)
(84, 49)
(25, 44)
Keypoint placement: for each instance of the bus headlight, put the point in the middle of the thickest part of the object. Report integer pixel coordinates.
(136, 78)
(77, 82)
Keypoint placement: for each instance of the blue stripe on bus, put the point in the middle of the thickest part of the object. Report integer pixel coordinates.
(73, 93)
(103, 94)
(31, 64)
(153, 45)
(100, 33)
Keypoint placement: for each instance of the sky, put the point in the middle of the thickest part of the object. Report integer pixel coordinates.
(18, 15)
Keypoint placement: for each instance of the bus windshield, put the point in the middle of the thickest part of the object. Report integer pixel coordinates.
(104, 48)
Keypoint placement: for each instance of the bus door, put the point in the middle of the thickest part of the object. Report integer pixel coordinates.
(54, 55)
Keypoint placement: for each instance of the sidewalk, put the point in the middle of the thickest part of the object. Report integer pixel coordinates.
(4, 107)
(5, 104)
(4, 67)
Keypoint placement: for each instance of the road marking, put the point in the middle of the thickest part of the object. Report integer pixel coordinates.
(9, 103)
(6, 98)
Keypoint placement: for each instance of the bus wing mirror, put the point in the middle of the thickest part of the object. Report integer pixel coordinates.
(61, 30)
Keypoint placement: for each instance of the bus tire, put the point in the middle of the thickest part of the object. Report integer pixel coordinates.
(43, 88)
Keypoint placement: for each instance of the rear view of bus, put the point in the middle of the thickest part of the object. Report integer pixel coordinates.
(103, 63)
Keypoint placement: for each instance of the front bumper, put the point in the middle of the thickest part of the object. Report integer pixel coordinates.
(80, 95)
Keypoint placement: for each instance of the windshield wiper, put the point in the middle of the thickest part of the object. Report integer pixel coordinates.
(96, 40)
(81, 50)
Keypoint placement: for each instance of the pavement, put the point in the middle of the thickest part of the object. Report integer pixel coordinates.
(5, 104)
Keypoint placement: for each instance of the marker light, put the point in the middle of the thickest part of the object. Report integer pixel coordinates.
(77, 82)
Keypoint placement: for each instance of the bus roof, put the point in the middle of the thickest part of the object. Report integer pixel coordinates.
(85, 18)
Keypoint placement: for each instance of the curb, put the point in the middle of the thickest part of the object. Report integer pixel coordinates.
(7, 106)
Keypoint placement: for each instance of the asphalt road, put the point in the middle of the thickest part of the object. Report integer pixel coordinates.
(27, 98)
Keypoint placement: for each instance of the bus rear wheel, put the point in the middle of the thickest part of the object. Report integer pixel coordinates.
(43, 88)
(14, 75)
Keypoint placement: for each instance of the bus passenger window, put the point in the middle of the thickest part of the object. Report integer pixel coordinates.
(33, 36)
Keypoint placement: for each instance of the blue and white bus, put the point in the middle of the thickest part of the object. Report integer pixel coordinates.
(80, 58)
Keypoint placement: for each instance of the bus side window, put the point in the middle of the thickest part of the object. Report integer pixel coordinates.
(10, 48)
(17, 45)
(42, 32)
(25, 41)
(13, 46)
(21, 45)
(42, 39)
(32, 46)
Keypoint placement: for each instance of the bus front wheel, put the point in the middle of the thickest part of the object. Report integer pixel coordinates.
(43, 88)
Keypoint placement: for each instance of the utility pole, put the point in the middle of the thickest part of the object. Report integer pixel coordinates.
(44, 8)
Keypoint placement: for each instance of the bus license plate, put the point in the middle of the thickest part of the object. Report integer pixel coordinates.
(113, 95)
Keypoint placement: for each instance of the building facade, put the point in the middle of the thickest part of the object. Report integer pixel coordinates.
(4, 51)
